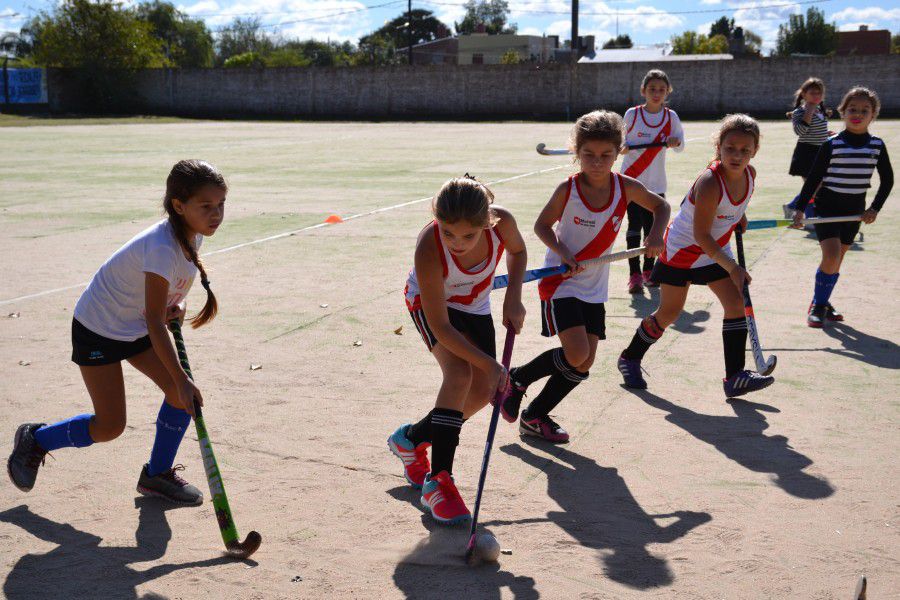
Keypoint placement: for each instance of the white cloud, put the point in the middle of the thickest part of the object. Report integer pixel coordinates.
(11, 20)
(763, 20)
(711, 2)
(704, 27)
(874, 16)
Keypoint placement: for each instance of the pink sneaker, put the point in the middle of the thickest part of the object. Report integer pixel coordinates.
(415, 458)
(647, 281)
(442, 499)
(636, 284)
(544, 428)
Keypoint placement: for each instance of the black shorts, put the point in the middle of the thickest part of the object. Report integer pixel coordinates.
(670, 275)
(562, 313)
(803, 158)
(834, 204)
(479, 329)
(639, 218)
(91, 349)
(845, 231)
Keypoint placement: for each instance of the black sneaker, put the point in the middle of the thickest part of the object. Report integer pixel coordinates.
(169, 486)
(509, 407)
(832, 314)
(816, 315)
(745, 381)
(26, 458)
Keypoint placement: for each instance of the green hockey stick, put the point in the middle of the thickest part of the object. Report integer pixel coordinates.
(227, 528)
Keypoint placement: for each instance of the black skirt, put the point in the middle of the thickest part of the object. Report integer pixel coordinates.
(803, 159)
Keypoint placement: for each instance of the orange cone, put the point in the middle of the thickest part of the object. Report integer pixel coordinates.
(334, 219)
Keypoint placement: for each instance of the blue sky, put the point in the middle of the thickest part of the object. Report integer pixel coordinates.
(646, 21)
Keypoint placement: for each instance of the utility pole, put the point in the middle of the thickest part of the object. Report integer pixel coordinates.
(575, 43)
(409, 34)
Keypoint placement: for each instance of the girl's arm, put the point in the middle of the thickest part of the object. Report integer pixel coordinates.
(640, 195)
(543, 228)
(886, 178)
(706, 201)
(516, 261)
(431, 291)
(676, 140)
(156, 290)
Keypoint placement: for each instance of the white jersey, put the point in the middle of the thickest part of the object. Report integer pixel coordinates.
(467, 290)
(589, 233)
(113, 303)
(649, 165)
(681, 249)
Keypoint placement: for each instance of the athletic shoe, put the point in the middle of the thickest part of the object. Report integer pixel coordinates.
(647, 281)
(26, 458)
(442, 499)
(788, 211)
(631, 372)
(509, 406)
(816, 315)
(415, 458)
(746, 381)
(169, 486)
(636, 284)
(544, 428)
(832, 314)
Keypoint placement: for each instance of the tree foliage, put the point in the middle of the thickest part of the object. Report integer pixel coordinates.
(493, 14)
(621, 41)
(242, 36)
(185, 42)
(812, 35)
(691, 42)
(421, 25)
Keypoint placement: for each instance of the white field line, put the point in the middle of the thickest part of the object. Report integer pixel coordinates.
(286, 233)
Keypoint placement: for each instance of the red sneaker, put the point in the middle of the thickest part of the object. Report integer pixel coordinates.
(442, 499)
(636, 284)
(415, 458)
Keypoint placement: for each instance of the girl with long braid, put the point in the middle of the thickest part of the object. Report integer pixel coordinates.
(122, 315)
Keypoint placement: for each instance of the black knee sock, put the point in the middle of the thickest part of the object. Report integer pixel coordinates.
(421, 431)
(648, 263)
(734, 342)
(558, 387)
(648, 332)
(445, 427)
(543, 365)
(633, 240)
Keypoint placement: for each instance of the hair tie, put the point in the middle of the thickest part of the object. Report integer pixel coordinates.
(205, 284)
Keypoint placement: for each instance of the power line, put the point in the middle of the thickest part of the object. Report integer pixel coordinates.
(638, 13)
(328, 16)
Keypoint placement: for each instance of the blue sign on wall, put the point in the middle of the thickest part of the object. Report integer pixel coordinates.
(26, 86)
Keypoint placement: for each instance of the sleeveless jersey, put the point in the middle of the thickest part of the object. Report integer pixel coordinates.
(465, 290)
(588, 233)
(681, 249)
(649, 165)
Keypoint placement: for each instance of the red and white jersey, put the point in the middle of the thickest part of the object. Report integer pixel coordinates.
(589, 233)
(681, 249)
(649, 165)
(467, 290)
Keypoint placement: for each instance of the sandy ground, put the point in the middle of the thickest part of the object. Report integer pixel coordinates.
(669, 493)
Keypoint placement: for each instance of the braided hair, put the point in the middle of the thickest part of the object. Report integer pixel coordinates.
(185, 179)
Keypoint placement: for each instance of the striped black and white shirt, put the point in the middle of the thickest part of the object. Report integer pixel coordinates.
(845, 164)
(815, 132)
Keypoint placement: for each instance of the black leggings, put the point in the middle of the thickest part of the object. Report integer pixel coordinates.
(639, 221)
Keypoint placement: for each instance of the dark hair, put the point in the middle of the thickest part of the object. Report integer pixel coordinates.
(464, 199)
(656, 74)
(864, 93)
(810, 83)
(185, 179)
(736, 122)
(599, 125)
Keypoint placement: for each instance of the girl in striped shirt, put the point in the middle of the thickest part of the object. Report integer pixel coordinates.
(810, 121)
(844, 167)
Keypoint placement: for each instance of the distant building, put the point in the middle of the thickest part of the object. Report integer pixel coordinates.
(484, 49)
(864, 41)
(658, 53)
(443, 51)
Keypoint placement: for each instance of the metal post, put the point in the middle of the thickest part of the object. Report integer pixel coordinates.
(5, 82)
(575, 43)
(409, 34)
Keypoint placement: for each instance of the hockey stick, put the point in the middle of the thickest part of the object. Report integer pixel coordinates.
(213, 476)
(769, 223)
(860, 593)
(543, 149)
(492, 429)
(763, 366)
(501, 281)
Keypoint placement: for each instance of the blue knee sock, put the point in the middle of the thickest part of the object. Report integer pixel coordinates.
(65, 434)
(170, 427)
(793, 203)
(824, 285)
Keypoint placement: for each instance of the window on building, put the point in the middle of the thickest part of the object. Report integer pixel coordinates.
(478, 59)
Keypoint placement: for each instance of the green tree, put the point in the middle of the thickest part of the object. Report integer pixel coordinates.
(510, 57)
(243, 36)
(493, 14)
(895, 43)
(812, 35)
(423, 26)
(691, 42)
(185, 42)
(621, 41)
(724, 26)
(247, 59)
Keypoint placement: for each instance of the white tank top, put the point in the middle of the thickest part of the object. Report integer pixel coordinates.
(649, 165)
(681, 249)
(467, 290)
(588, 233)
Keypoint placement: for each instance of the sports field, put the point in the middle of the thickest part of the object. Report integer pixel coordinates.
(669, 493)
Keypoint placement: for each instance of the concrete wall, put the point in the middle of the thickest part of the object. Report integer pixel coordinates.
(702, 88)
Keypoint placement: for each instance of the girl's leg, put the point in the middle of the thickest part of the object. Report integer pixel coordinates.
(671, 302)
(579, 348)
(633, 237)
(734, 325)
(828, 272)
(172, 421)
(447, 416)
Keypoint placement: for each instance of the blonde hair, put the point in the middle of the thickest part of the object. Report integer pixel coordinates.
(864, 93)
(599, 125)
(736, 122)
(464, 199)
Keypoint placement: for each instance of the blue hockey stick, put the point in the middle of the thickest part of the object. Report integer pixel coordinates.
(502, 281)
